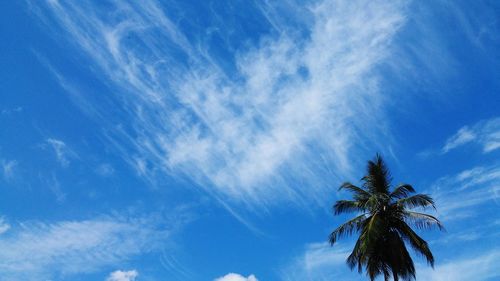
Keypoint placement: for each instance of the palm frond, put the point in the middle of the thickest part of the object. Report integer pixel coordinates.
(422, 221)
(375, 201)
(359, 193)
(417, 243)
(347, 206)
(372, 230)
(417, 200)
(347, 228)
(396, 254)
(402, 191)
(356, 257)
(376, 265)
(378, 178)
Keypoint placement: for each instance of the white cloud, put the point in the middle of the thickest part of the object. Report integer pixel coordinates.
(8, 168)
(457, 195)
(62, 151)
(482, 266)
(463, 136)
(119, 275)
(4, 226)
(485, 134)
(320, 262)
(294, 114)
(33, 250)
(236, 277)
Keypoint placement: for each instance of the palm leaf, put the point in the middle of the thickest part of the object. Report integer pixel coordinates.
(347, 206)
(359, 193)
(378, 179)
(402, 191)
(422, 221)
(356, 257)
(418, 200)
(346, 229)
(372, 230)
(417, 243)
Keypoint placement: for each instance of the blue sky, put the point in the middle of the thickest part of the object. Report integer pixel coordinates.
(206, 140)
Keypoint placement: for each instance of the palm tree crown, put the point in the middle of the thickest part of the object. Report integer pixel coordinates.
(383, 223)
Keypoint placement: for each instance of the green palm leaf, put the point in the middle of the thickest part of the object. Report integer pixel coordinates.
(418, 200)
(422, 221)
(402, 191)
(347, 206)
(417, 243)
(346, 229)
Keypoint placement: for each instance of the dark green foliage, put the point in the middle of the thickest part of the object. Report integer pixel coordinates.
(383, 225)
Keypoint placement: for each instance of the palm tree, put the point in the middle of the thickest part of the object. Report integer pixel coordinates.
(383, 223)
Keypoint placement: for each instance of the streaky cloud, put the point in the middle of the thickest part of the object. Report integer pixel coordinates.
(62, 152)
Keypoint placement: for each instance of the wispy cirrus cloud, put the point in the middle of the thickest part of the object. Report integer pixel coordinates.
(320, 262)
(481, 266)
(61, 150)
(289, 110)
(8, 168)
(460, 195)
(485, 134)
(54, 186)
(37, 250)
